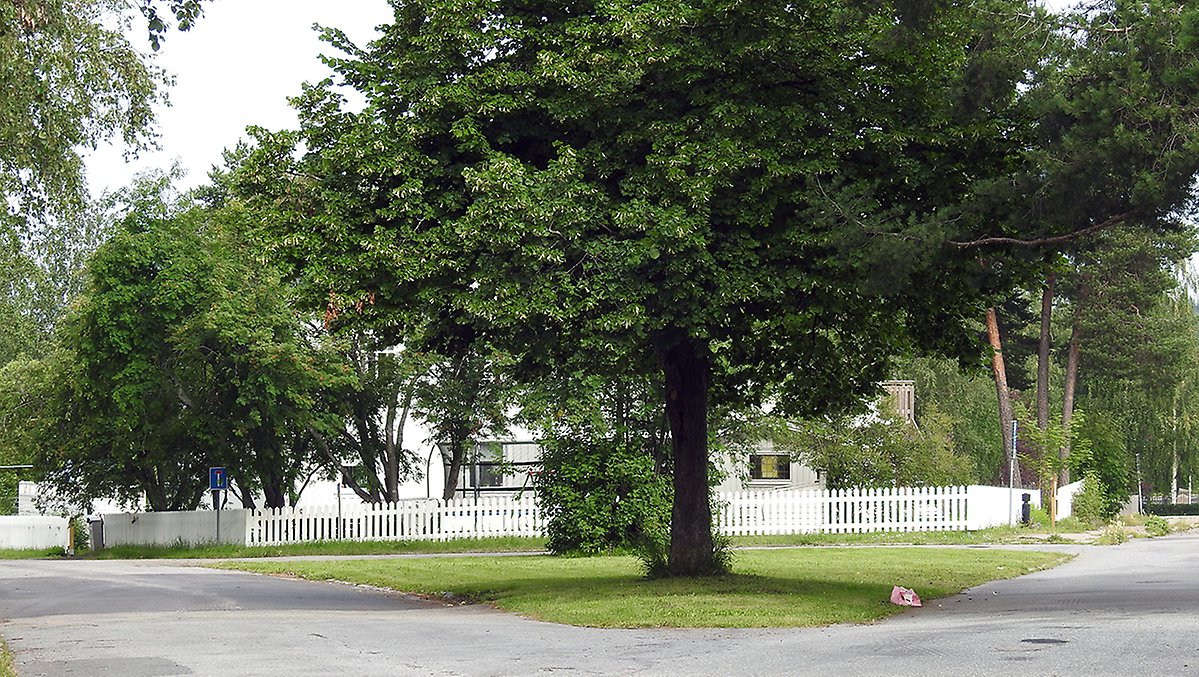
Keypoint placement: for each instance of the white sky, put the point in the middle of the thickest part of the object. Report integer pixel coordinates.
(236, 68)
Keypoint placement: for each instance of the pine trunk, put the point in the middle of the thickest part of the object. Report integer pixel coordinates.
(686, 366)
(1068, 395)
(1043, 355)
(1001, 391)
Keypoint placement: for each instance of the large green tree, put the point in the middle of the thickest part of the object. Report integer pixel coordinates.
(1115, 147)
(182, 353)
(751, 200)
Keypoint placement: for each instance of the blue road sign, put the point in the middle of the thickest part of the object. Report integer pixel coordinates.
(218, 479)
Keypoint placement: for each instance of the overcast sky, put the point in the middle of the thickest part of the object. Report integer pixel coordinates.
(236, 68)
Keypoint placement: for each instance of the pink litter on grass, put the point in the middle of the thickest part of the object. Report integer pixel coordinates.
(904, 597)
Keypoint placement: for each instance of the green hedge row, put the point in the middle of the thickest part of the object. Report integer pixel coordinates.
(1171, 510)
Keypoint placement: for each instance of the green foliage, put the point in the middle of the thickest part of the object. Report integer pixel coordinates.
(1113, 534)
(1156, 526)
(1107, 461)
(601, 495)
(967, 398)
(186, 13)
(883, 450)
(71, 81)
(1090, 504)
(1171, 509)
(463, 398)
(182, 354)
(1051, 448)
(604, 482)
(80, 535)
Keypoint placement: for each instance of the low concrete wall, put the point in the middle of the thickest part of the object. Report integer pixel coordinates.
(169, 528)
(27, 532)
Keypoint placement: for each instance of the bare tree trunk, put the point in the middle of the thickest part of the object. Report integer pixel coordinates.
(1043, 354)
(686, 366)
(1068, 395)
(454, 463)
(1048, 485)
(1001, 390)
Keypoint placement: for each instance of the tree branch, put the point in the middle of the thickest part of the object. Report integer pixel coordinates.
(1043, 241)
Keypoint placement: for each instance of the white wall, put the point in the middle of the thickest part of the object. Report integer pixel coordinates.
(1065, 499)
(169, 528)
(996, 506)
(26, 532)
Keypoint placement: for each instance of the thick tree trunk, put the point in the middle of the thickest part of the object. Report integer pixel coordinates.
(1043, 354)
(1001, 391)
(1048, 486)
(453, 469)
(687, 369)
(1068, 395)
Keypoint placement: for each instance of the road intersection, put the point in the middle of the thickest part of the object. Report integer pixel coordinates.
(1130, 609)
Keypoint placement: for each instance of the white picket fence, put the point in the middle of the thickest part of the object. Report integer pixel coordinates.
(741, 513)
(810, 511)
(419, 520)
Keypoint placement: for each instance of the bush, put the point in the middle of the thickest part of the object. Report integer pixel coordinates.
(1156, 526)
(1090, 503)
(1108, 460)
(81, 534)
(602, 495)
(1113, 534)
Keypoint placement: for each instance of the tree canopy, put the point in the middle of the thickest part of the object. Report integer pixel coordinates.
(739, 197)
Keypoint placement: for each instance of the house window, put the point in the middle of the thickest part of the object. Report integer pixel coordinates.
(489, 474)
(769, 467)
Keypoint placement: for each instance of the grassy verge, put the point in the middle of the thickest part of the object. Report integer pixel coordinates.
(6, 666)
(31, 554)
(336, 548)
(996, 535)
(771, 588)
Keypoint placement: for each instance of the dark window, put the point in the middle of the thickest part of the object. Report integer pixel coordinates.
(770, 466)
(490, 474)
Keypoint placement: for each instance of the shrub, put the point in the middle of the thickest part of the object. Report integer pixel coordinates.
(1113, 534)
(1090, 503)
(1108, 460)
(1156, 526)
(602, 495)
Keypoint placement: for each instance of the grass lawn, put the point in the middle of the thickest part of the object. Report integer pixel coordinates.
(31, 554)
(771, 588)
(507, 544)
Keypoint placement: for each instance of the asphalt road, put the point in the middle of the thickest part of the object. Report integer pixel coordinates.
(1132, 609)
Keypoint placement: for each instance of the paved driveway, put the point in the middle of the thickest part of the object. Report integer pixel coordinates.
(1132, 609)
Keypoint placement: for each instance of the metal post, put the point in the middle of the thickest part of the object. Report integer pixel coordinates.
(216, 507)
(1011, 479)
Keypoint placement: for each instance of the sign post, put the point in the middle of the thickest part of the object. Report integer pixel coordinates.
(218, 481)
(1011, 478)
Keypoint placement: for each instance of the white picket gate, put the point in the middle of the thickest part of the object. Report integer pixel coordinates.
(417, 520)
